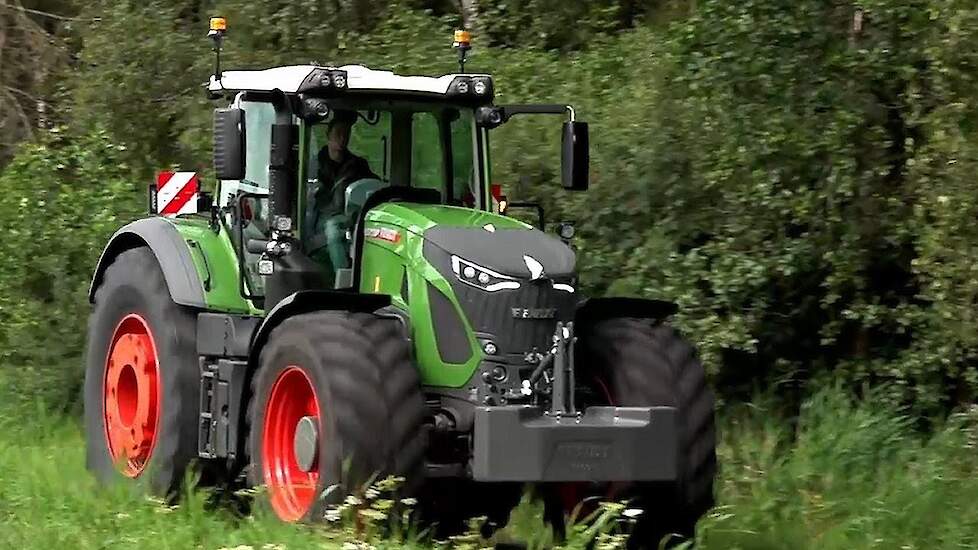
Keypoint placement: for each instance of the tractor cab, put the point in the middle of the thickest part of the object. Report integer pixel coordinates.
(301, 150)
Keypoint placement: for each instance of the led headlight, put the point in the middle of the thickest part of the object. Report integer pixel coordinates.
(474, 88)
(325, 81)
(482, 278)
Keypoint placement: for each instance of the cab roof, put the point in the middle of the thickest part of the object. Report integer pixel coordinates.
(289, 79)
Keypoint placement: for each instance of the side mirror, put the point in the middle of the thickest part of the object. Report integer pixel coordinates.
(229, 144)
(575, 156)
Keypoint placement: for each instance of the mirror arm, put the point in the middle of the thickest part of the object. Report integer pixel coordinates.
(508, 111)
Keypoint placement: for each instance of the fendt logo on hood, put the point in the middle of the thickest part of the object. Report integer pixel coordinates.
(534, 313)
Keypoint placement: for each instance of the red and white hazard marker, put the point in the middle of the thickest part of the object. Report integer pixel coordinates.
(176, 193)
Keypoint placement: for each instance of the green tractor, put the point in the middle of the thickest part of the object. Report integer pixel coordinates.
(419, 332)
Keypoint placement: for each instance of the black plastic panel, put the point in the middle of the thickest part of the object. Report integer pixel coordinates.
(453, 346)
(223, 335)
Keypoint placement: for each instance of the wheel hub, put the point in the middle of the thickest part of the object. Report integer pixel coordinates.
(290, 444)
(131, 395)
(306, 444)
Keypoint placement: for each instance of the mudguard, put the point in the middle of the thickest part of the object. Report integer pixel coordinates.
(596, 309)
(307, 301)
(171, 251)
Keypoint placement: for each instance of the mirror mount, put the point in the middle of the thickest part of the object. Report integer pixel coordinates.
(575, 152)
(493, 116)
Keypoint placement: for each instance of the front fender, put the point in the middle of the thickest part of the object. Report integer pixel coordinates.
(307, 301)
(596, 309)
(172, 254)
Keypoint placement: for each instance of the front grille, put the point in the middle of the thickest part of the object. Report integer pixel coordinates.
(492, 312)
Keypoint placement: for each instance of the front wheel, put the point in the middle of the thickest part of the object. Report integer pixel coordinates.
(335, 402)
(631, 362)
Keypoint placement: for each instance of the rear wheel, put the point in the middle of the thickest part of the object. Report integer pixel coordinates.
(141, 377)
(335, 401)
(639, 363)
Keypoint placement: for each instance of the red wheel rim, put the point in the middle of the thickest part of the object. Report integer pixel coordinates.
(291, 490)
(131, 391)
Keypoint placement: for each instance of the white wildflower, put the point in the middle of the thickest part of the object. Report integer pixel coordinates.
(632, 512)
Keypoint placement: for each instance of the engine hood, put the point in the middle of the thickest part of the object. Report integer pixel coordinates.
(492, 241)
(514, 252)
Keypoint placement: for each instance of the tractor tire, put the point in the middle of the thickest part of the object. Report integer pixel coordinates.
(142, 380)
(351, 378)
(640, 363)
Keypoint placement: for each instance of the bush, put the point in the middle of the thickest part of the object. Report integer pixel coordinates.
(797, 176)
(63, 197)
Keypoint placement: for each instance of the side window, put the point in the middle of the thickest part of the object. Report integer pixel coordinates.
(427, 154)
(259, 118)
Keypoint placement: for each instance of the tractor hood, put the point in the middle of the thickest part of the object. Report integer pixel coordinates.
(505, 245)
(513, 252)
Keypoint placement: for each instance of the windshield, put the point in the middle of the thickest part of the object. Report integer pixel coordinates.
(419, 145)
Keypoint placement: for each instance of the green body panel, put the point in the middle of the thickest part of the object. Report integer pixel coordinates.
(216, 263)
(385, 263)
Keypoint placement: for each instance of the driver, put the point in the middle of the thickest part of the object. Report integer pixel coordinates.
(338, 168)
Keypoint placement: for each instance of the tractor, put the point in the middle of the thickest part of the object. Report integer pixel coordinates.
(422, 332)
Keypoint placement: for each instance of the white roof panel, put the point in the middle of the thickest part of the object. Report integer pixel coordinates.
(288, 79)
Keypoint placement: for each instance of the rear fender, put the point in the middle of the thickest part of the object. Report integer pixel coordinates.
(172, 254)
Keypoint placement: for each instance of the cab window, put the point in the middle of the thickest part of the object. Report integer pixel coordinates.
(427, 153)
(370, 139)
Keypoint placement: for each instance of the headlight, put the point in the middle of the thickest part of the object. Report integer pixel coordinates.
(474, 88)
(325, 81)
(482, 278)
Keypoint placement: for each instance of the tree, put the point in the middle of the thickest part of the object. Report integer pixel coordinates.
(29, 53)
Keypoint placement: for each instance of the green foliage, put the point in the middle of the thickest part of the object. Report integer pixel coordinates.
(849, 476)
(805, 168)
(795, 175)
(62, 198)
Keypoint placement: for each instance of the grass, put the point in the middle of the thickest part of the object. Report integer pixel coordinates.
(846, 475)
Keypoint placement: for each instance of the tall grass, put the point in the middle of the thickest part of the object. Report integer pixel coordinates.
(849, 475)
(842, 474)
